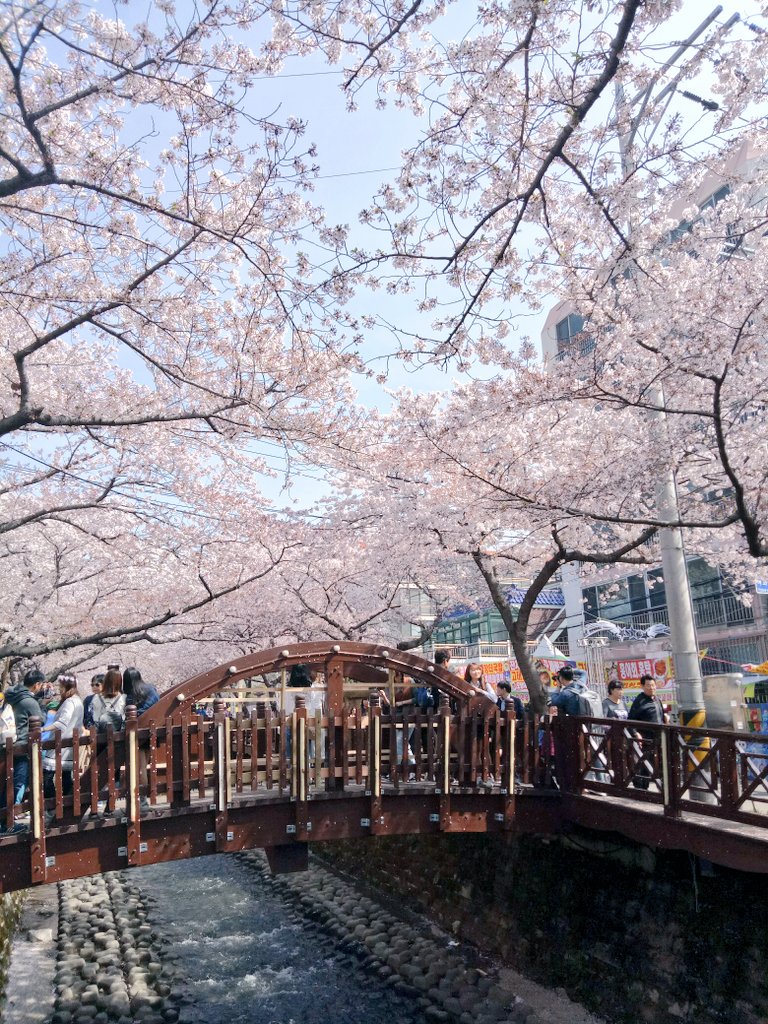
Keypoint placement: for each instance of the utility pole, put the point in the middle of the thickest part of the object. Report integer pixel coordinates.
(682, 625)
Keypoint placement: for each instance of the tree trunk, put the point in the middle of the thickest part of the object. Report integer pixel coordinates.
(517, 625)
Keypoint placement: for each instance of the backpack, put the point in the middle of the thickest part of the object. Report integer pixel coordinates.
(107, 712)
(590, 705)
(7, 723)
(423, 698)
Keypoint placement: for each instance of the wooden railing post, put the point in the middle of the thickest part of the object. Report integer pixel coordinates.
(567, 731)
(261, 745)
(299, 782)
(508, 762)
(374, 760)
(666, 769)
(37, 853)
(334, 678)
(132, 796)
(444, 785)
(93, 772)
(221, 772)
(618, 760)
(10, 784)
(672, 808)
(729, 782)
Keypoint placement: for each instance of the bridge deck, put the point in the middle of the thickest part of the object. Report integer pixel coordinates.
(280, 782)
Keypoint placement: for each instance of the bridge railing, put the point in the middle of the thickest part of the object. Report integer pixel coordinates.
(225, 761)
(126, 774)
(706, 771)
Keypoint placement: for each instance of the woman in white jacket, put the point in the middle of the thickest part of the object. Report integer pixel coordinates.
(68, 718)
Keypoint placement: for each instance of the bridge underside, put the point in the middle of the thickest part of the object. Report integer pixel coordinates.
(727, 843)
(101, 844)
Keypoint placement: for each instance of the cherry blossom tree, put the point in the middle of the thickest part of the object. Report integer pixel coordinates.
(161, 321)
(359, 577)
(156, 319)
(502, 489)
(569, 154)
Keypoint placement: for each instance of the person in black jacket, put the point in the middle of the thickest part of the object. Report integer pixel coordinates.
(23, 699)
(646, 707)
(504, 698)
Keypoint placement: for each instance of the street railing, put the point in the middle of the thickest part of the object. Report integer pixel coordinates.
(707, 771)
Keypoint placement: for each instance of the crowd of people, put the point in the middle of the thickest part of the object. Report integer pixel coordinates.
(62, 710)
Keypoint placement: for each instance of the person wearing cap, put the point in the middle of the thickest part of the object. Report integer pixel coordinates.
(566, 699)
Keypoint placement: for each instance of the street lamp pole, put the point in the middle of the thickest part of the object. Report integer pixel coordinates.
(682, 625)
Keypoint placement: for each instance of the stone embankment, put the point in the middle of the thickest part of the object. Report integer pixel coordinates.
(110, 956)
(420, 962)
(111, 965)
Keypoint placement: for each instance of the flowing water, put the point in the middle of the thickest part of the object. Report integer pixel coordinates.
(243, 960)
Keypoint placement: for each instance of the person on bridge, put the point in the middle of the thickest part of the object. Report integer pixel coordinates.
(302, 677)
(23, 698)
(69, 716)
(138, 692)
(108, 707)
(646, 707)
(7, 722)
(504, 698)
(442, 660)
(566, 699)
(96, 684)
(613, 705)
(473, 674)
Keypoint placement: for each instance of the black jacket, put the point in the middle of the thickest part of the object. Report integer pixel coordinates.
(517, 704)
(647, 709)
(24, 706)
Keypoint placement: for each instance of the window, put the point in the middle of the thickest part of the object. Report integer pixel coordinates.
(636, 593)
(568, 328)
(571, 330)
(614, 600)
(716, 197)
(730, 655)
(589, 597)
(657, 597)
(704, 580)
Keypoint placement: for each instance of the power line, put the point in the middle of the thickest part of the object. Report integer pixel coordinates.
(353, 174)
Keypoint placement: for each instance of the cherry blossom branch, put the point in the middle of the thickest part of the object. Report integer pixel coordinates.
(118, 635)
(373, 50)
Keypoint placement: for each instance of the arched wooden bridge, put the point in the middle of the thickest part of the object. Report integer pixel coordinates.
(179, 784)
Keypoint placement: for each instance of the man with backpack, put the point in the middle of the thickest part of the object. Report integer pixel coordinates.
(576, 699)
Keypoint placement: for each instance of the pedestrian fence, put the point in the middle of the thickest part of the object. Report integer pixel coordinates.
(707, 771)
(370, 749)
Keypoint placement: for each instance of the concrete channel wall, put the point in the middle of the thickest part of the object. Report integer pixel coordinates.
(634, 934)
(10, 911)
